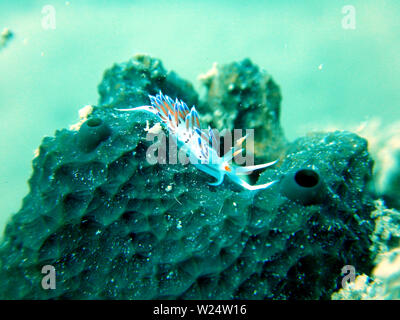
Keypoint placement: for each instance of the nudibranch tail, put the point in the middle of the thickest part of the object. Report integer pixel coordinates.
(184, 124)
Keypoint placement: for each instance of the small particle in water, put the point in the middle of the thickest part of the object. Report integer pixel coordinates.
(177, 200)
(5, 36)
(320, 66)
(170, 275)
(168, 188)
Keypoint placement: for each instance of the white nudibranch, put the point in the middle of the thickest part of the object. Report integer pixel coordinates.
(183, 123)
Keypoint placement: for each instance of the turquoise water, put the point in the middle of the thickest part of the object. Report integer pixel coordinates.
(329, 76)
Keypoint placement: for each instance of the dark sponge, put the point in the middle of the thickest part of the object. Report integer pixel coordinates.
(116, 227)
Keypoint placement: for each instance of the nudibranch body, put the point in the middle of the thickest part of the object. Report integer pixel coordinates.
(183, 123)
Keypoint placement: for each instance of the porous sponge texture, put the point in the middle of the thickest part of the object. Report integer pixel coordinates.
(105, 221)
(116, 227)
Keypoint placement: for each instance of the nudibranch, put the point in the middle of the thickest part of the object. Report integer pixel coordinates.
(183, 123)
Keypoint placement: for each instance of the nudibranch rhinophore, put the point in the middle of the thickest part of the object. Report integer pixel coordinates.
(183, 123)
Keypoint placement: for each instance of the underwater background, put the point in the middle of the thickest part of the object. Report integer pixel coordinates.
(330, 77)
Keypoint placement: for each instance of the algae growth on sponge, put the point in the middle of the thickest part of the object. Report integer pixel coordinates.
(116, 227)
